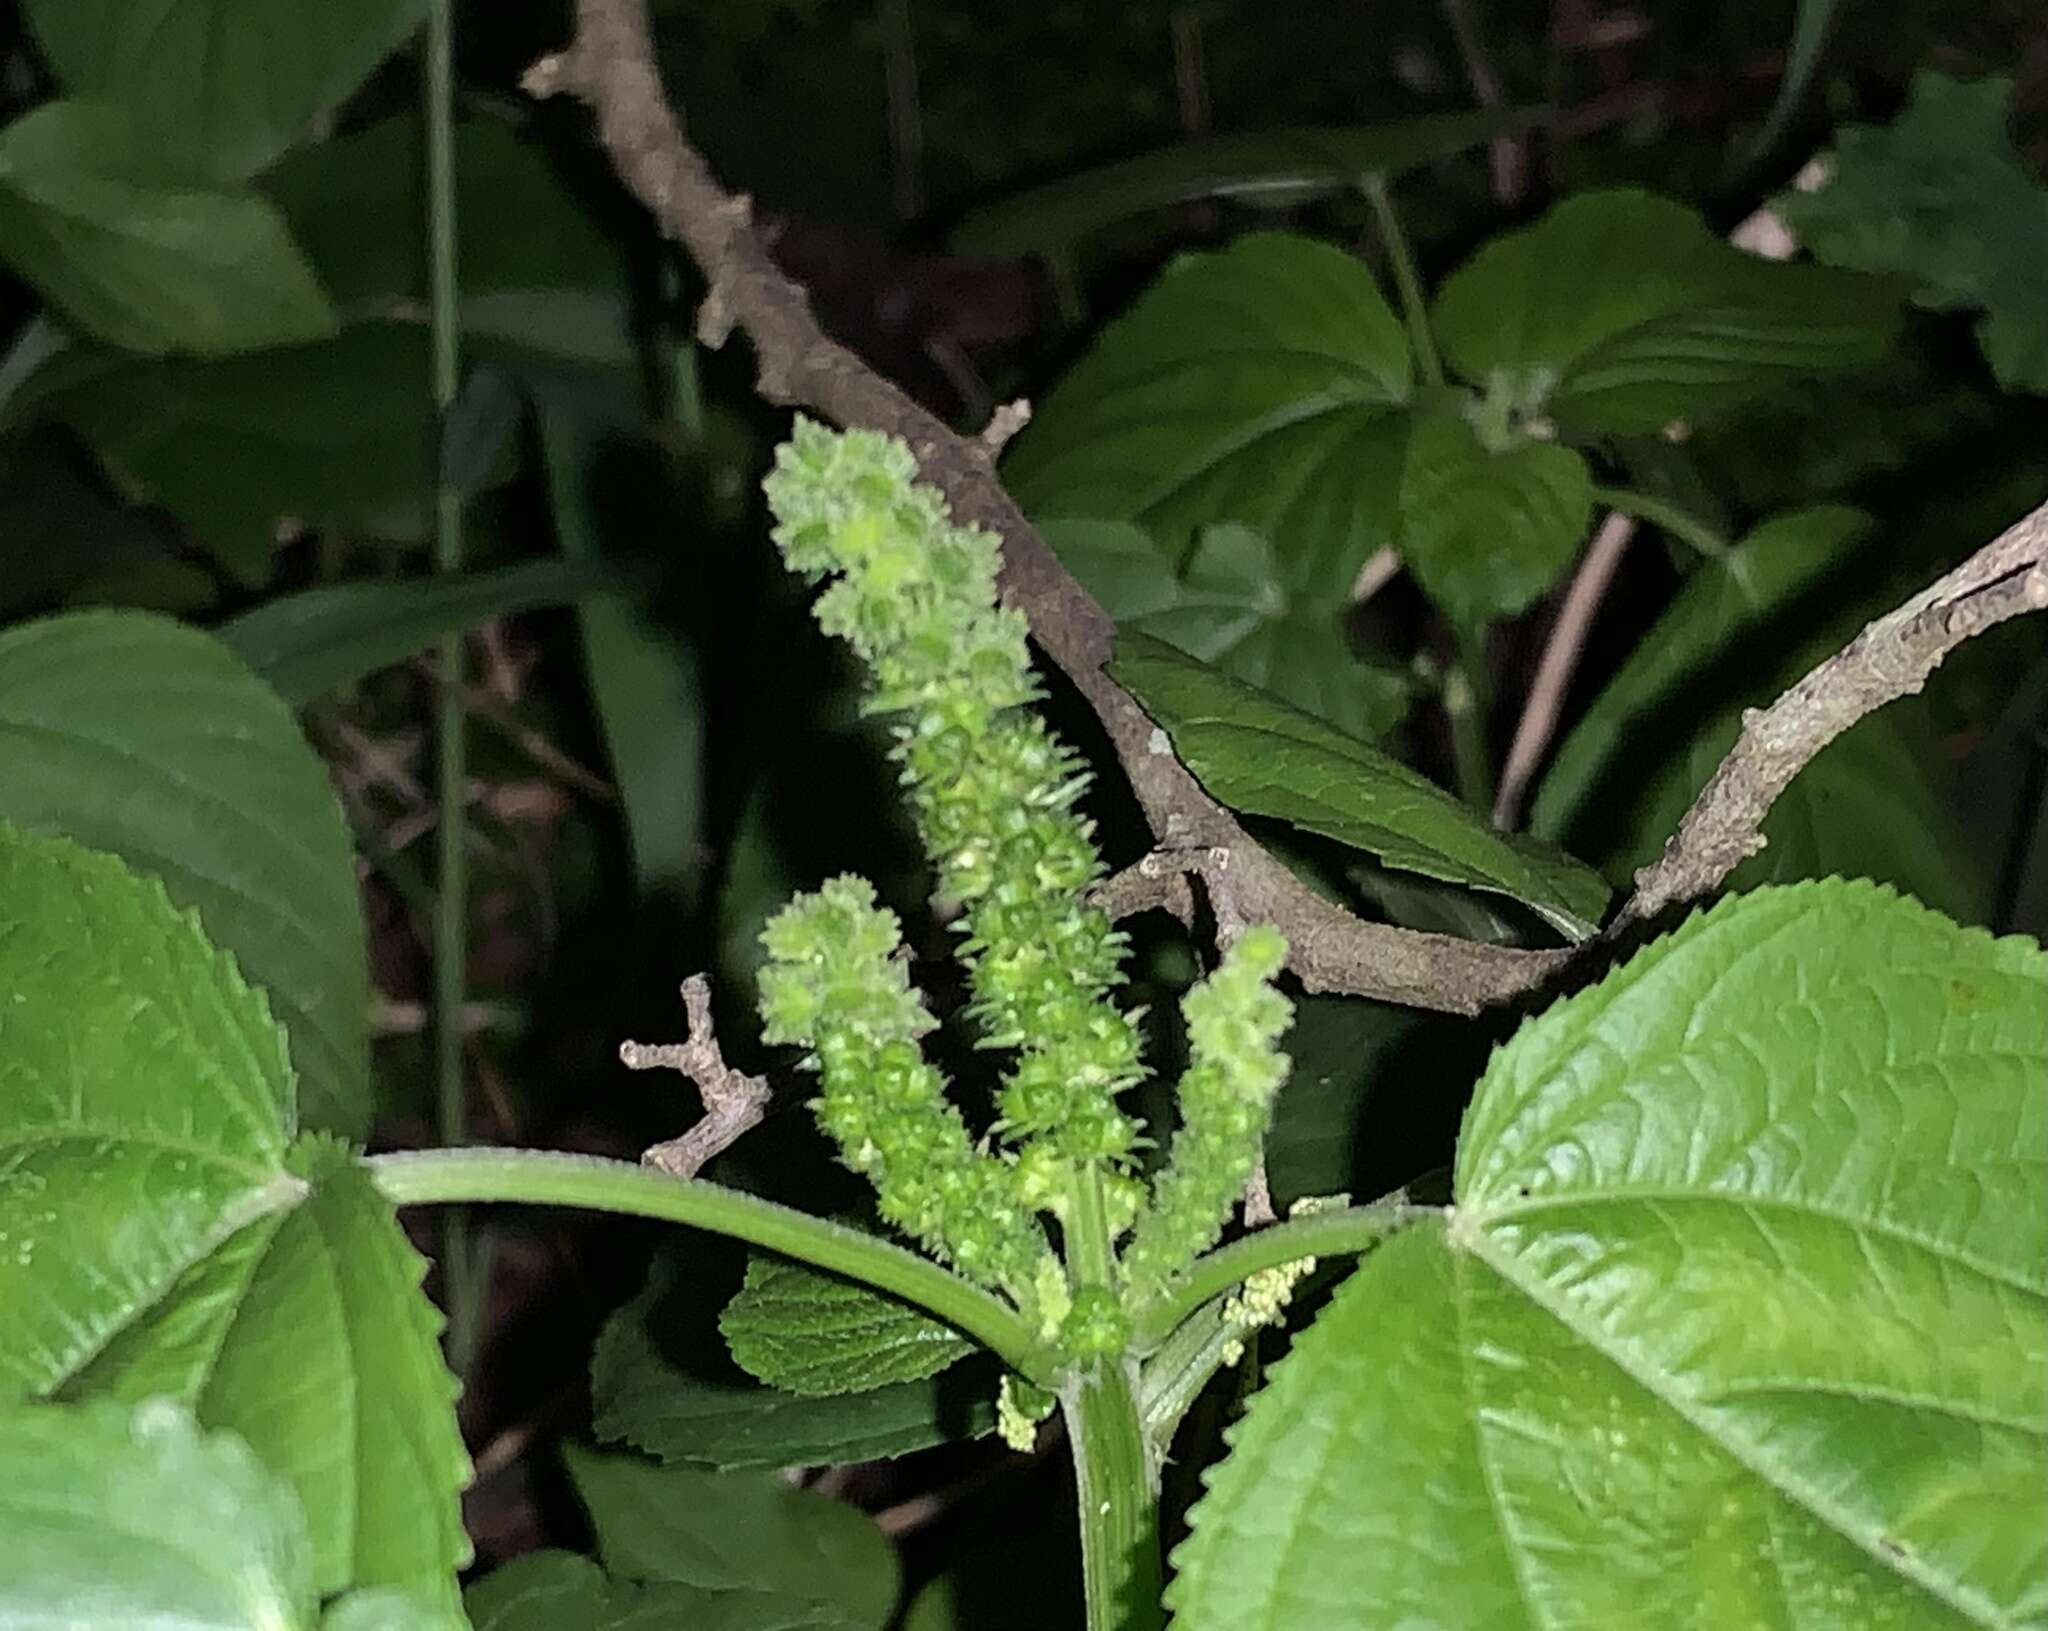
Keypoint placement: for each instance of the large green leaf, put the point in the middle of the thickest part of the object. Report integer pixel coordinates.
(133, 734)
(1256, 754)
(328, 1296)
(123, 232)
(1259, 385)
(1231, 603)
(539, 278)
(660, 1383)
(818, 1335)
(318, 640)
(1737, 1318)
(145, 1103)
(1741, 629)
(1487, 530)
(1270, 169)
(249, 451)
(1943, 196)
(770, 1555)
(239, 79)
(1620, 312)
(118, 1517)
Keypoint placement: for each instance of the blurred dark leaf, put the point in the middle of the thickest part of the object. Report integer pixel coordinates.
(238, 79)
(566, 1591)
(1232, 604)
(126, 234)
(1620, 312)
(1942, 196)
(318, 640)
(1274, 169)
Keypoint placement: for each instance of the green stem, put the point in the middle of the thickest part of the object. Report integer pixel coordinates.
(1090, 1259)
(464, 1293)
(557, 1178)
(1407, 286)
(1117, 1486)
(1173, 1378)
(1465, 705)
(1680, 523)
(1347, 1232)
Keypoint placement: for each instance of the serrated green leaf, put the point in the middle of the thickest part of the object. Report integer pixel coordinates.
(318, 640)
(1621, 312)
(1487, 531)
(119, 1517)
(330, 1298)
(565, 1591)
(659, 1383)
(1230, 605)
(819, 1335)
(1943, 196)
(239, 79)
(1738, 1318)
(145, 1102)
(1270, 169)
(133, 734)
(1258, 384)
(1740, 630)
(780, 1556)
(130, 239)
(1256, 754)
(249, 451)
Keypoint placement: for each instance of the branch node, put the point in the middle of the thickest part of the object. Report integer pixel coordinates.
(1004, 423)
(733, 1102)
(553, 74)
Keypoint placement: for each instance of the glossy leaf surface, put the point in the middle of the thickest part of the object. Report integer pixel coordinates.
(1738, 1317)
(134, 734)
(1256, 754)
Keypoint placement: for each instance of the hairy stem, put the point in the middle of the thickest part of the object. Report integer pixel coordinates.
(557, 1178)
(1465, 706)
(463, 1293)
(1117, 1486)
(1345, 1232)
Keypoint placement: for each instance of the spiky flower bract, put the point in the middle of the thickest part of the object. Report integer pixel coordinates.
(1235, 1020)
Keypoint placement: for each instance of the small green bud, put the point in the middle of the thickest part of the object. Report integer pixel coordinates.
(1020, 1407)
(1095, 1327)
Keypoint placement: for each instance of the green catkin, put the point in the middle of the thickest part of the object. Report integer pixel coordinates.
(992, 791)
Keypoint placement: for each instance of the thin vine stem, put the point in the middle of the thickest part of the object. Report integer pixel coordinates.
(1408, 286)
(451, 911)
(559, 1178)
(1674, 519)
(1347, 1232)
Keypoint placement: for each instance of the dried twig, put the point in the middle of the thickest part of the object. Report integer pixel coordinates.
(1891, 658)
(733, 1102)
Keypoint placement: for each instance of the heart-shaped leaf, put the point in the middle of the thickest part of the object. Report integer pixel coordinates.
(1256, 754)
(1621, 312)
(1259, 385)
(1737, 1319)
(131, 240)
(133, 734)
(1486, 531)
(240, 79)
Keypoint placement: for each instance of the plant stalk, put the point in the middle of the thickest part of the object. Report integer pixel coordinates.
(463, 1292)
(1407, 285)
(1117, 1486)
(558, 1178)
(1466, 706)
